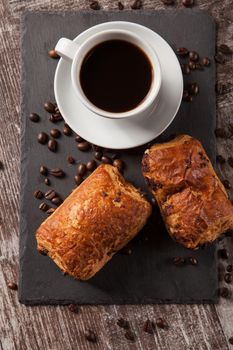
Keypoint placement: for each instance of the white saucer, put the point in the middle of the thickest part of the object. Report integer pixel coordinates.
(122, 133)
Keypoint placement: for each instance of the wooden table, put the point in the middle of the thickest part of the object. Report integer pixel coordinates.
(47, 327)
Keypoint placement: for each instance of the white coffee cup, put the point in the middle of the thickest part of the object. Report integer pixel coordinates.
(71, 51)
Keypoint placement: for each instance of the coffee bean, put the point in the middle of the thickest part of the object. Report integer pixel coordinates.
(223, 254)
(54, 118)
(42, 138)
(231, 340)
(228, 278)
(161, 323)
(199, 66)
(230, 161)
(106, 160)
(47, 181)
(188, 3)
(226, 184)
(189, 98)
(50, 211)
(219, 58)
(122, 323)
(120, 6)
(57, 172)
(55, 133)
(97, 148)
(74, 308)
(192, 65)
(137, 5)
(38, 194)
(178, 261)
(221, 133)
(56, 200)
(98, 155)
(52, 145)
(229, 268)
(192, 260)
(182, 51)
(43, 170)
(79, 139)
(224, 292)
(149, 327)
(185, 94)
(78, 179)
(90, 336)
(206, 61)
(12, 286)
(81, 170)
(119, 164)
(95, 6)
(193, 56)
(34, 117)
(194, 89)
(70, 160)
(83, 146)
(67, 130)
(225, 49)
(52, 53)
(185, 69)
(129, 335)
(43, 206)
(49, 107)
(220, 159)
(50, 194)
(91, 165)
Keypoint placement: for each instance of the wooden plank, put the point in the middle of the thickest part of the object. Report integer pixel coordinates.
(191, 327)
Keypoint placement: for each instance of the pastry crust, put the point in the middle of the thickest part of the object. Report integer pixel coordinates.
(96, 220)
(192, 200)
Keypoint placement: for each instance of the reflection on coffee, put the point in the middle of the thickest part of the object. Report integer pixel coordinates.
(116, 76)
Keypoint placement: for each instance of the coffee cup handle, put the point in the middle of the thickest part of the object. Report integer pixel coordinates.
(66, 49)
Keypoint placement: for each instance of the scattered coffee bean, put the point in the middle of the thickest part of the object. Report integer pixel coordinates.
(74, 308)
(81, 170)
(228, 278)
(178, 261)
(106, 160)
(192, 65)
(192, 260)
(185, 94)
(130, 335)
(12, 286)
(70, 160)
(98, 155)
(52, 53)
(194, 89)
(193, 56)
(38, 194)
(42, 138)
(161, 323)
(56, 200)
(52, 145)
(43, 206)
(137, 5)
(49, 107)
(34, 117)
(206, 61)
(67, 130)
(189, 98)
(224, 292)
(219, 58)
(221, 133)
(231, 340)
(199, 66)
(226, 184)
(90, 336)
(57, 172)
(78, 179)
(182, 51)
(54, 118)
(83, 146)
(229, 268)
(185, 69)
(230, 161)
(149, 327)
(50, 211)
(95, 6)
(55, 133)
(91, 165)
(47, 181)
(120, 6)
(122, 323)
(220, 159)
(50, 194)
(97, 148)
(79, 139)
(223, 254)
(43, 170)
(225, 49)
(119, 164)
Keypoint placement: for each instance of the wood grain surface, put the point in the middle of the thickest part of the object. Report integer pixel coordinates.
(190, 326)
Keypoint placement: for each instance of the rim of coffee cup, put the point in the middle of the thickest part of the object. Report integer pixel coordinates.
(127, 36)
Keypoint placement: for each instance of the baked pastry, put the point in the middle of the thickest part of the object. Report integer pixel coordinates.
(96, 220)
(192, 200)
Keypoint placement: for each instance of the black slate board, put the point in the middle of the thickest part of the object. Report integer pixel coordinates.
(147, 275)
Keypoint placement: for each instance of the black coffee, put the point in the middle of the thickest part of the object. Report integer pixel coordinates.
(116, 76)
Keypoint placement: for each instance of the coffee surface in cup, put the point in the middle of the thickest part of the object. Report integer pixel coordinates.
(116, 76)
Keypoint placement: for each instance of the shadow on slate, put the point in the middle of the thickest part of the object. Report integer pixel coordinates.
(147, 275)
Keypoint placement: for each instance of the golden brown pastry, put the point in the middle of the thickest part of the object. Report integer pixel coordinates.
(192, 200)
(96, 220)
